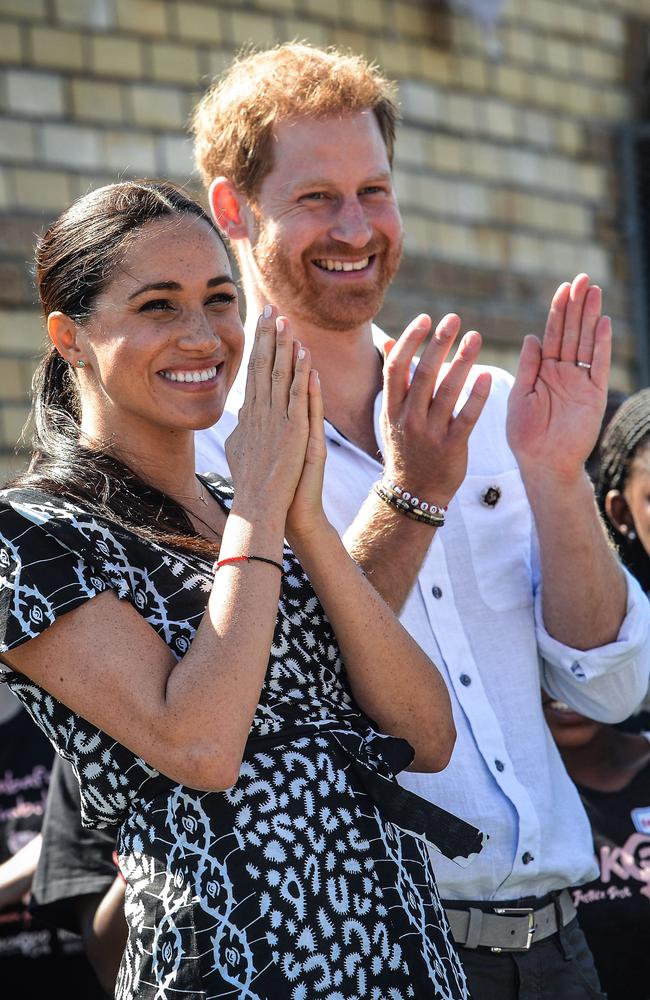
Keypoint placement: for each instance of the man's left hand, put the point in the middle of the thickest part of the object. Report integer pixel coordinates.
(558, 398)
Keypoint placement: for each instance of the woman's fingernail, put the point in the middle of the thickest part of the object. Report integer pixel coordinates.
(266, 311)
(279, 325)
(301, 353)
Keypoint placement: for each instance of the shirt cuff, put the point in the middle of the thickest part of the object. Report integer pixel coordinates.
(630, 648)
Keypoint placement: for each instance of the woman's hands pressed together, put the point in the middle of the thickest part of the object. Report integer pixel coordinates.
(266, 451)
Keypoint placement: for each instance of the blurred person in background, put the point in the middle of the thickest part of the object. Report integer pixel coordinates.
(33, 955)
(77, 885)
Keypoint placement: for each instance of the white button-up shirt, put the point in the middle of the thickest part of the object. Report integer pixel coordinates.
(475, 610)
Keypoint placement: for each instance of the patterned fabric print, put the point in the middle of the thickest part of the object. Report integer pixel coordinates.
(288, 885)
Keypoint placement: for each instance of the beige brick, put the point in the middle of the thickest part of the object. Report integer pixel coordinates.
(561, 54)
(199, 22)
(282, 5)
(39, 94)
(447, 154)
(523, 167)
(11, 382)
(41, 189)
(422, 102)
(462, 112)
(6, 194)
(512, 82)
(618, 105)
(258, 29)
(520, 45)
(13, 419)
(176, 155)
(146, 17)
(175, 62)
(470, 72)
(21, 330)
(133, 152)
(574, 20)
(547, 90)
(592, 180)
(526, 253)
(538, 128)
(101, 102)
(602, 65)
(57, 49)
(93, 13)
(570, 136)
(369, 13)
(11, 43)
(499, 119)
(81, 184)
(218, 61)
(71, 145)
(411, 20)
(17, 140)
(301, 29)
(33, 9)
(411, 146)
(484, 160)
(436, 66)
(157, 106)
(326, 12)
(609, 28)
(117, 56)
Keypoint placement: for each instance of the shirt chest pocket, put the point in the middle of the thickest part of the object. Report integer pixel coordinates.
(498, 521)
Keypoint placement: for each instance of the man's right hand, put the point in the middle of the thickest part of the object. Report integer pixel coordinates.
(425, 445)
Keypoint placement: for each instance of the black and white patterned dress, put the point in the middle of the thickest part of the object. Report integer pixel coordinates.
(292, 884)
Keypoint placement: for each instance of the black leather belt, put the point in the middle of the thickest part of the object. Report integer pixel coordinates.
(506, 927)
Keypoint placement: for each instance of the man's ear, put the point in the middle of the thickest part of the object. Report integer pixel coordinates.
(228, 208)
(618, 512)
(62, 331)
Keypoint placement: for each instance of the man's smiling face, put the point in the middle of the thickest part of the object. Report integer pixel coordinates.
(328, 236)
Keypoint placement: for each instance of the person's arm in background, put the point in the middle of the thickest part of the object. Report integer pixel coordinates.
(104, 931)
(17, 872)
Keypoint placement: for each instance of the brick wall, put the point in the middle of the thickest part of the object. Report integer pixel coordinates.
(508, 164)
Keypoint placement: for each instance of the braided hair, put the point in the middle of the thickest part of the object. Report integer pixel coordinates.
(627, 436)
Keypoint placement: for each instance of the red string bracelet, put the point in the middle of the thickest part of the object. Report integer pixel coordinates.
(235, 559)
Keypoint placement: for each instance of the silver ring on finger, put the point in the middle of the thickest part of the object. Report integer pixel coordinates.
(583, 364)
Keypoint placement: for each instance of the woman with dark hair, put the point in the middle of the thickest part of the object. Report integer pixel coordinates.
(179, 655)
(624, 483)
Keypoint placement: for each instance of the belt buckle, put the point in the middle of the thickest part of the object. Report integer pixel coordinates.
(518, 911)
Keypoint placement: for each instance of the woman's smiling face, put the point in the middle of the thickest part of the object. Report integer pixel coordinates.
(164, 340)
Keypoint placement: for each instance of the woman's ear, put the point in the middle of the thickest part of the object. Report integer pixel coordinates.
(62, 331)
(619, 513)
(228, 208)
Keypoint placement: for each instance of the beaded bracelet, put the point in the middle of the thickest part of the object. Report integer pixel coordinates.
(414, 502)
(434, 516)
(236, 559)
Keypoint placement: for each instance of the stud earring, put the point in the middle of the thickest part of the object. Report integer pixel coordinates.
(631, 535)
(80, 364)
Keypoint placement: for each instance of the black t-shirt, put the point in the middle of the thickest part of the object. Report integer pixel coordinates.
(614, 909)
(34, 958)
(75, 860)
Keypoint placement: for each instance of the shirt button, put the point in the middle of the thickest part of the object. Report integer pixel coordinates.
(500, 766)
(437, 592)
(465, 680)
(527, 857)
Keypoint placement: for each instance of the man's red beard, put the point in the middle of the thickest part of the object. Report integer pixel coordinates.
(295, 288)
